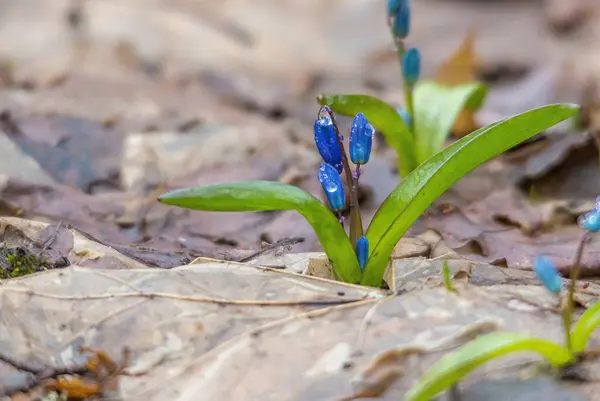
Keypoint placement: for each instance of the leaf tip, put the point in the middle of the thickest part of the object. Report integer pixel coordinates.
(168, 197)
(322, 99)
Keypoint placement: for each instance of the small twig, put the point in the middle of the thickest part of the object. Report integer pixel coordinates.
(362, 331)
(20, 366)
(50, 241)
(272, 247)
(219, 301)
(570, 305)
(36, 377)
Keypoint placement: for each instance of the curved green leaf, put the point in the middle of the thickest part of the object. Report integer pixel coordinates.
(264, 195)
(436, 109)
(384, 118)
(587, 323)
(458, 363)
(432, 178)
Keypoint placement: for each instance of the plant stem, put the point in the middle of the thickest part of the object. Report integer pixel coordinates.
(570, 304)
(408, 90)
(410, 108)
(356, 229)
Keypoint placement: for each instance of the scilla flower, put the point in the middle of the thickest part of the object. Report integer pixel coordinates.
(332, 185)
(547, 273)
(327, 144)
(411, 66)
(400, 16)
(362, 251)
(361, 139)
(394, 6)
(591, 221)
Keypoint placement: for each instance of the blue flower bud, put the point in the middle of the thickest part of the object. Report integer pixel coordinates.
(590, 221)
(327, 144)
(362, 251)
(405, 116)
(332, 185)
(401, 18)
(361, 139)
(411, 66)
(547, 273)
(394, 6)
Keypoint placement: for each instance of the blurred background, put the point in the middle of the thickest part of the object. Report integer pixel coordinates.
(107, 103)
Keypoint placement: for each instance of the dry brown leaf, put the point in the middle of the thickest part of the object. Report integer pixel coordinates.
(194, 331)
(459, 69)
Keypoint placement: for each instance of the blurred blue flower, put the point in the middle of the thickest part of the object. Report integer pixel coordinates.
(591, 221)
(362, 251)
(361, 139)
(332, 185)
(327, 144)
(411, 66)
(401, 18)
(394, 6)
(547, 273)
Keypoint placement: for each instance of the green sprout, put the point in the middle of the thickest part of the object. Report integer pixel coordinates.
(401, 208)
(447, 278)
(451, 368)
(428, 169)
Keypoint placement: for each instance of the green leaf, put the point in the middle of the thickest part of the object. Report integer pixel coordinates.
(432, 178)
(384, 118)
(436, 108)
(264, 195)
(587, 323)
(458, 363)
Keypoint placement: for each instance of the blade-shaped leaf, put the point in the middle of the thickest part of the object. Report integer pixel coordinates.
(436, 108)
(458, 363)
(432, 178)
(264, 195)
(587, 323)
(384, 118)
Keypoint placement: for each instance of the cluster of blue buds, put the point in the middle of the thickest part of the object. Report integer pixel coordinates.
(330, 145)
(547, 273)
(591, 221)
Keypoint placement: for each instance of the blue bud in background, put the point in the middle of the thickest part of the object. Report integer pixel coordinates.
(332, 185)
(362, 251)
(405, 116)
(327, 144)
(411, 66)
(400, 14)
(361, 139)
(394, 6)
(547, 273)
(590, 221)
